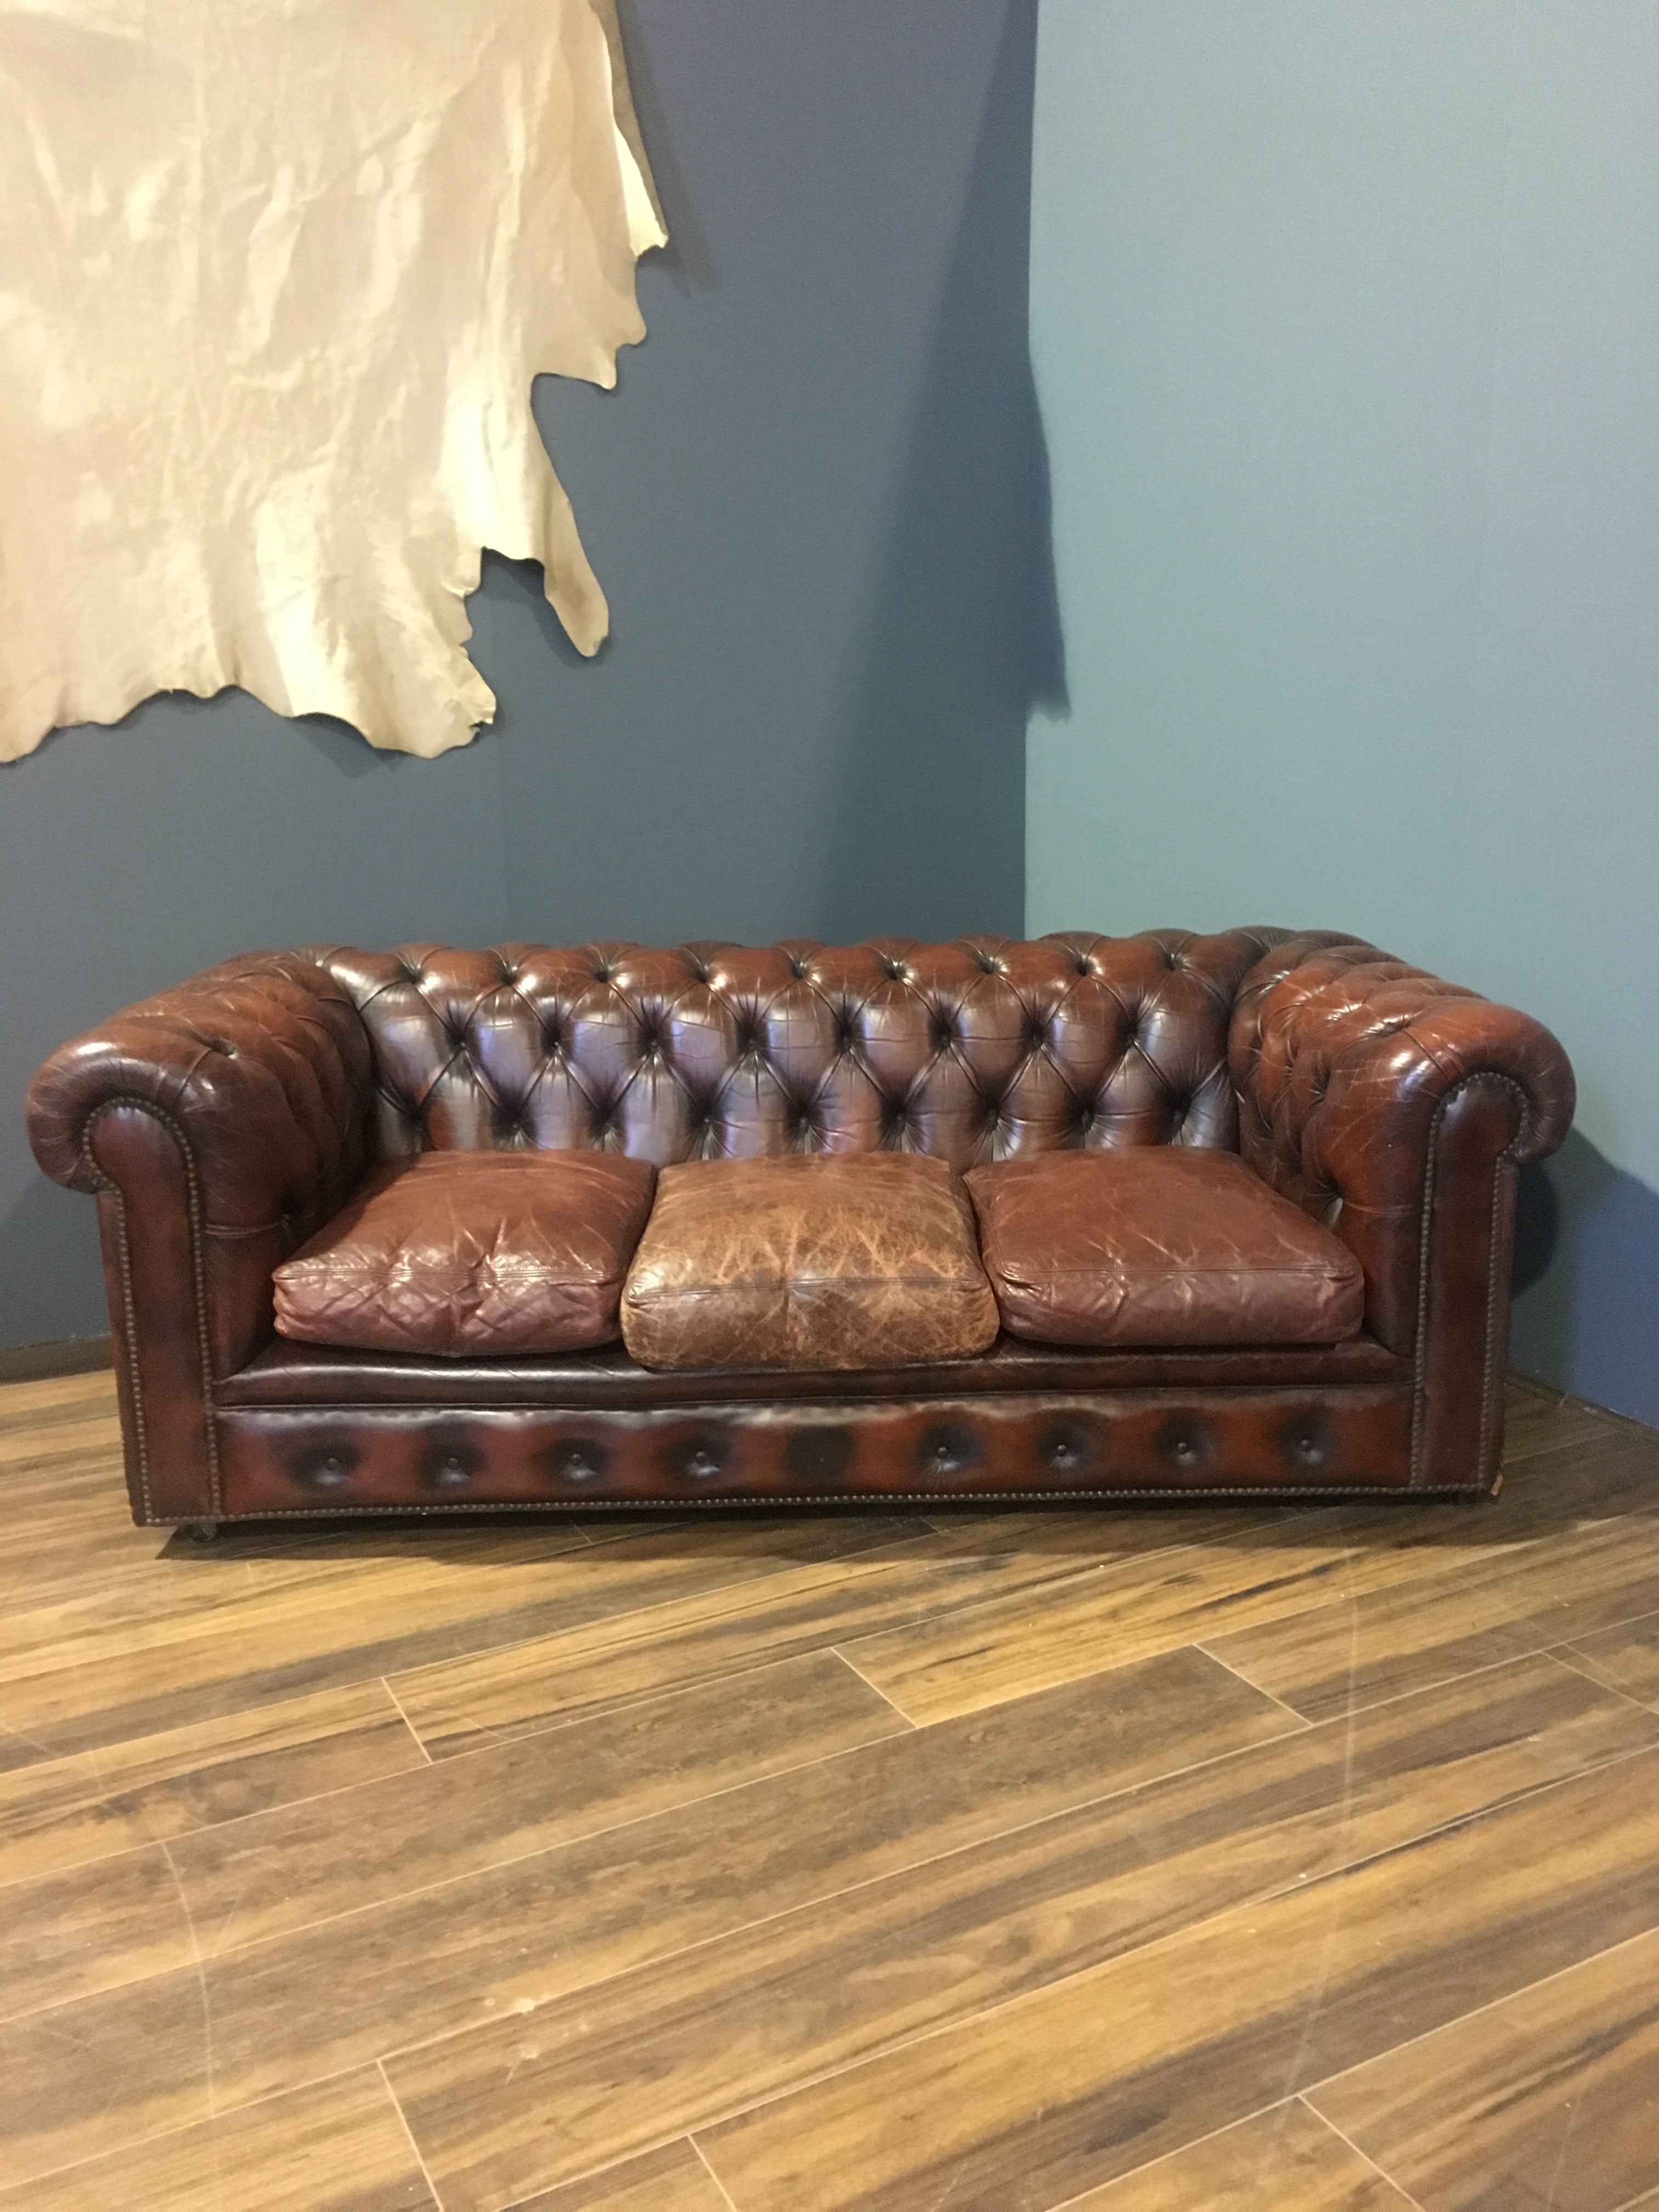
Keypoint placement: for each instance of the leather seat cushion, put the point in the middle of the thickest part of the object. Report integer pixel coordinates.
(854, 1261)
(482, 1253)
(1164, 1245)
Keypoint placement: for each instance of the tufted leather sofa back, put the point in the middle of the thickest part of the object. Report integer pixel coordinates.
(977, 1050)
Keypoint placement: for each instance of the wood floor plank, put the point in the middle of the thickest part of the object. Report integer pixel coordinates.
(67, 1812)
(68, 1684)
(84, 2078)
(1548, 2098)
(149, 1911)
(1609, 1466)
(1283, 2161)
(336, 2147)
(530, 2100)
(1073, 1936)
(62, 1936)
(1627, 1656)
(275, 1872)
(1385, 1641)
(30, 1405)
(673, 2179)
(77, 1422)
(257, 1586)
(1257, 1578)
(1540, 1419)
(497, 1695)
(1024, 2108)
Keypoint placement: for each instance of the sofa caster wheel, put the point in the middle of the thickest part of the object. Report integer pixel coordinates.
(200, 1532)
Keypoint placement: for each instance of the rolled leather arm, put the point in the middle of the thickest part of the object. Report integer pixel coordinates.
(220, 1124)
(1398, 1108)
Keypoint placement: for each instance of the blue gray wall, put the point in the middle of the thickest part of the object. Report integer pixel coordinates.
(1346, 326)
(817, 504)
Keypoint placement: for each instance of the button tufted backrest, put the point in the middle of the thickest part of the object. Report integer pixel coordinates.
(977, 1050)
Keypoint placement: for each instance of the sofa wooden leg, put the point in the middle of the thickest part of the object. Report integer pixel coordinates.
(200, 1532)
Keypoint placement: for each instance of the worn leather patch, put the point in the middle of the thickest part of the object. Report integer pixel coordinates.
(811, 1261)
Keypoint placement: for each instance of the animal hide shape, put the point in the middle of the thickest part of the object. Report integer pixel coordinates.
(275, 278)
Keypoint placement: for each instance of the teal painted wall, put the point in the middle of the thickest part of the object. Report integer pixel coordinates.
(1346, 329)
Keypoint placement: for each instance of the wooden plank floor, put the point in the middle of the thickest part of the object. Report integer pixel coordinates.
(1208, 1861)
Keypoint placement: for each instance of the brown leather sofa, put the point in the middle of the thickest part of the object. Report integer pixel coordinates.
(224, 1124)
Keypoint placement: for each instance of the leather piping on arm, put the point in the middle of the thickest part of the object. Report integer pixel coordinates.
(1420, 1355)
(129, 1317)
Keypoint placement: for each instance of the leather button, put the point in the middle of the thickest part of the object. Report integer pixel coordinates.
(704, 1460)
(947, 1449)
(1307, 1442)
(325, 1467)
(448, 1466)
(1188, 1444)
(582, 1460)
(1066, 1449)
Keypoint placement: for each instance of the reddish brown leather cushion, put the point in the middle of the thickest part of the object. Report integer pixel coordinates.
(831, 1261)
(1160, 1245)
(481, 1253)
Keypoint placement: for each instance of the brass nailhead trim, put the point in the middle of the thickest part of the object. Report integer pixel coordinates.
(1419, 1370)
(198, 1269)
(857, 1500)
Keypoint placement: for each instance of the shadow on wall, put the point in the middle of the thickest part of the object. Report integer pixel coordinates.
(963, 644)
(1587, 1280)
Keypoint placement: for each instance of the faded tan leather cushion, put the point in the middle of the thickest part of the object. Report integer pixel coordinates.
(1159, 1244)
(486, 1253)
(867, 1260)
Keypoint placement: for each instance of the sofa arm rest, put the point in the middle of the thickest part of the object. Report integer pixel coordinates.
(1398, 1108)
(220, 1124)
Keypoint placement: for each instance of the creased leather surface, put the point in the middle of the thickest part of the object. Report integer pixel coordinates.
(819, 1263)
(278, 277)
(290, 1374)
(1158, 1246)
(985, 1049)
(257, 1077)
(482, 1253)
(1343, 1059)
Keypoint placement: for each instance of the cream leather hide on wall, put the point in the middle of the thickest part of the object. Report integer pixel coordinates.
(275, 278)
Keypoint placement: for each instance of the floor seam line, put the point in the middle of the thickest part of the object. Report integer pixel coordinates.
(1325, 2120)
(910, 1719)
(408, 2132)
(933, 2033)
(703, 2159)
(1180, 2150)
(1284, 1706)
(1313, 2089)
(420, 1743)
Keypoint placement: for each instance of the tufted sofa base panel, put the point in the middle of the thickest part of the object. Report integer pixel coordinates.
(1020, 1446)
